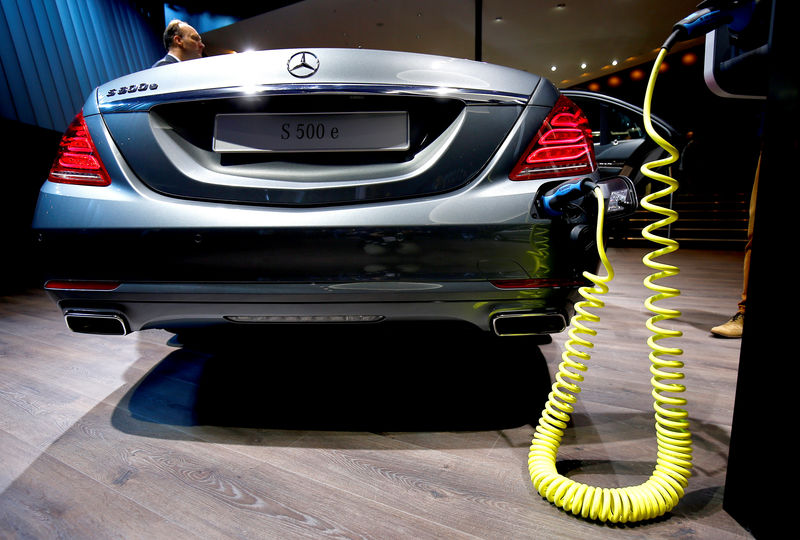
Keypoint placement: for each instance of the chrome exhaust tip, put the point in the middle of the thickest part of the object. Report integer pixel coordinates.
(525, 323)
(94, 322)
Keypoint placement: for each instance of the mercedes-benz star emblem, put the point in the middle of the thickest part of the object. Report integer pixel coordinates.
(303, 64)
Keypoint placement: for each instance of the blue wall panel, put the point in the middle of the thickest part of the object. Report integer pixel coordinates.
(53, 53)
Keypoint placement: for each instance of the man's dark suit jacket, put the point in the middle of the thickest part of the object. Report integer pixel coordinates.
(168, 59)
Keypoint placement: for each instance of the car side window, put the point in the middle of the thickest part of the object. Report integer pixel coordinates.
(623, 126)
(595, 115)
(610, 123)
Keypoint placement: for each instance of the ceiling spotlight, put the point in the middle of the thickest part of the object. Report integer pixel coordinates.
(583, 65)
(614, 62)
(553, 68)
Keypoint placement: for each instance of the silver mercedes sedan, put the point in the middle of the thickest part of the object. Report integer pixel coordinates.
(320, 186)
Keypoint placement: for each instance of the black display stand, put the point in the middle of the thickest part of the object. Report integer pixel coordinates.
(761, 457)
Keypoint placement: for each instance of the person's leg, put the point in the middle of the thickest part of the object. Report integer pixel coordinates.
(734, 326)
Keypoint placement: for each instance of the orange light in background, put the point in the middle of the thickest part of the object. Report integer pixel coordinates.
(689, 58)
(594, 87)
(614, 81)
(637, 75)
(664, 67)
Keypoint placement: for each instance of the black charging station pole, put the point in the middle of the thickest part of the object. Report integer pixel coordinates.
(761, 456)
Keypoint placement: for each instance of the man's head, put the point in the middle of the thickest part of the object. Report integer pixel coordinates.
(183, 41)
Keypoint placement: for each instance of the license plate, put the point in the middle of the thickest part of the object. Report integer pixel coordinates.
(312, 132)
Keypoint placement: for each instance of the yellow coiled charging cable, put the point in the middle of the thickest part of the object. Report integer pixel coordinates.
(670, 477)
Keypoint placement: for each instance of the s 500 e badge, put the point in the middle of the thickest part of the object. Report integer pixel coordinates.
(131, 89)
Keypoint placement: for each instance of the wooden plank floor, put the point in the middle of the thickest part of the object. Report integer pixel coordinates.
(401, 432)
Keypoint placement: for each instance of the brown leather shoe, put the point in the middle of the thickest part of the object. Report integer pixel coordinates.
(732, 328)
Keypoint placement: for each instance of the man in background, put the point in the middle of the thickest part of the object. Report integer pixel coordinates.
(182, 43)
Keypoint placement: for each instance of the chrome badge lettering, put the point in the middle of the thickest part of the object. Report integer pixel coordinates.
(141, 87)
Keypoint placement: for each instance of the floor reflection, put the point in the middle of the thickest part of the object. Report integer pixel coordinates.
(387, 377)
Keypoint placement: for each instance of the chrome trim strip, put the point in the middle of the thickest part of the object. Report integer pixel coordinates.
(470, 96)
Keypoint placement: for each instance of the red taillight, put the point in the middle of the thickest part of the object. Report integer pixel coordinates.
(77, 161)
(56, 285)
(562, 147)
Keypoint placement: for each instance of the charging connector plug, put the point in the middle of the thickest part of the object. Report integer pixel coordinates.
(557, 199)
(711, 15)
(701, 22)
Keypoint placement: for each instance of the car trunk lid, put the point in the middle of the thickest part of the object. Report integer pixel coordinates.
(318, 127)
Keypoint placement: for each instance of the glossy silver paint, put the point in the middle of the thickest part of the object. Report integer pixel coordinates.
(419, 238)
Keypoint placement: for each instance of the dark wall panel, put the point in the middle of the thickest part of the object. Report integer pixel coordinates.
(54, 52)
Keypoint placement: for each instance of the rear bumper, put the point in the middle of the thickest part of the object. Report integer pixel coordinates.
(193, 277)
(125, 311)
(301, 255)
